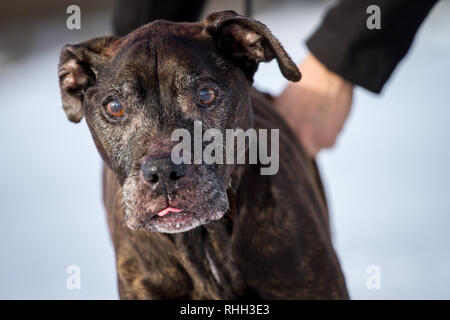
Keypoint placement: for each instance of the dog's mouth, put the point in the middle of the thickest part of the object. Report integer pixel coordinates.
(171, 220)
(200, 200)
(174, 220)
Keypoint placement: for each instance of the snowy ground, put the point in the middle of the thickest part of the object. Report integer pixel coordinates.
(388, 179)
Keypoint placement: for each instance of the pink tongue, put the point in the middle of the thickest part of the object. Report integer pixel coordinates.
(167, 210)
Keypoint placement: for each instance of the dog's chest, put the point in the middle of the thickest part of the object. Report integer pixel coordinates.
(209, 263)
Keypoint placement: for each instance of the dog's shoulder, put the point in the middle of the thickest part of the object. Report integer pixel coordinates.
(294, 161)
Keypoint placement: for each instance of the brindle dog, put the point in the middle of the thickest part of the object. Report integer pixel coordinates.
(240, 234)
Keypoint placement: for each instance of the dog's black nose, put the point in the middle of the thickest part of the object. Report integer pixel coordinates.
(162, 172)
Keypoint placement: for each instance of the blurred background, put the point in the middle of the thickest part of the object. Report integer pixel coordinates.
(388, 177)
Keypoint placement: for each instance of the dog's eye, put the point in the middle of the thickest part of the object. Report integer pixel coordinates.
(114, 109)
(206, 97)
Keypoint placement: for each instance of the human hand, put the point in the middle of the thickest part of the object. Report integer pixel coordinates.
(317, 106)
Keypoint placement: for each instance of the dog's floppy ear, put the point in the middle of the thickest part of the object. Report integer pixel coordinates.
(78, 69)
(248, 42)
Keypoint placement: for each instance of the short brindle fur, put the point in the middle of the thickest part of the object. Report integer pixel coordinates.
(273, 241)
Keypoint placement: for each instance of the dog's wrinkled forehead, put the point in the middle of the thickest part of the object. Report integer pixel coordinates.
(151, 52)
(164, 44)
(157, 74)
(165, 57)
(163, 28)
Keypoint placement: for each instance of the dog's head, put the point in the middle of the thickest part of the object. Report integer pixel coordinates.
(136, 90)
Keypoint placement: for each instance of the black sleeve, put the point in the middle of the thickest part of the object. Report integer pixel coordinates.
(131, 14)
(365, 57)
